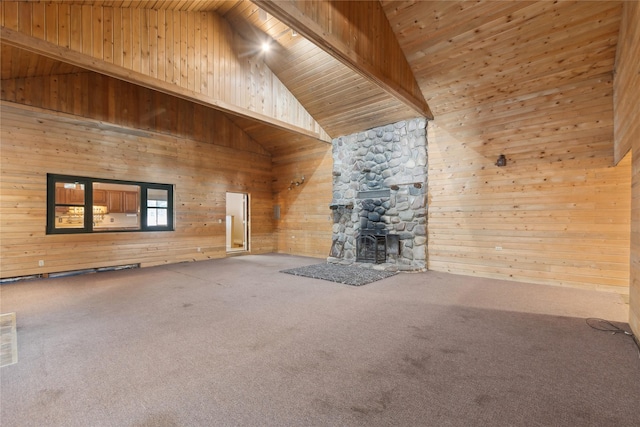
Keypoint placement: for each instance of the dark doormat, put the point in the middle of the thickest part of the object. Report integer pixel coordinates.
(346, 274)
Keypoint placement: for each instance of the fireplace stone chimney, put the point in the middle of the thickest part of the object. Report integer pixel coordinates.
(379, 188)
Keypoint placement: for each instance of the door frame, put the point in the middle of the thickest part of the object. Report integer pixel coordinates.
(246, 224)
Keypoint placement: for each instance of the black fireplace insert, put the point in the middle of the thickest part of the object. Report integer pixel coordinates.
(371, 247)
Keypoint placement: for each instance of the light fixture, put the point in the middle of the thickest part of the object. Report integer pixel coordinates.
(296, 183)
(266, 46)
(294, 33)
(502, 161)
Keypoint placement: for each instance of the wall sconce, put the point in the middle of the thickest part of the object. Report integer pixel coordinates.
(502, 161)
(296, 183)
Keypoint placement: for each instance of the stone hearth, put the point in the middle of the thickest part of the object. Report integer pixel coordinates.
(379, 187)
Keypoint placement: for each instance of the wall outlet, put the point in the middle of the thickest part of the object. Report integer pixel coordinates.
(198, 249)
(498, 248)
(41, 263)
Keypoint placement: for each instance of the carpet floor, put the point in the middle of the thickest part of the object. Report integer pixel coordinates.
(234, 342)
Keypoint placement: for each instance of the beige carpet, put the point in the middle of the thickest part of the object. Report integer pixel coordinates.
(234, 342)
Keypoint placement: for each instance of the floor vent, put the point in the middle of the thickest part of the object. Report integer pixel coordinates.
(8, 340)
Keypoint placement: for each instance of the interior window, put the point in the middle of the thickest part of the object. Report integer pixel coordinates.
(157, 207)
(88, 205)
(116, 206)
(69, 205)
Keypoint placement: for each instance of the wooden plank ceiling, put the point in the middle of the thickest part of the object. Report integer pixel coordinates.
(219, 6)
(487, 67)
(341, 100)
(472, 60)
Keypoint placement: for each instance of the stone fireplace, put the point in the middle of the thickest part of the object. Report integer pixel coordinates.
(379, 197)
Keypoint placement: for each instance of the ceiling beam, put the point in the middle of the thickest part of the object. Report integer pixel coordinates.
(358, 34)
(49, 50)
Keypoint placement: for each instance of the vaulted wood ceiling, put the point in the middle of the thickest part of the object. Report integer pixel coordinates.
(478, 58)
(473, 61)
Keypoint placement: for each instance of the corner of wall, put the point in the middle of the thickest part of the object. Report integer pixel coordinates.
(627, 135)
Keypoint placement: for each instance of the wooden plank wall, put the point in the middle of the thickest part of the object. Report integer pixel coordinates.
(304, 227)
(627, 135)
(558, 213)
(36, 142)
(111, 100)
(627, 81)
(193, 50)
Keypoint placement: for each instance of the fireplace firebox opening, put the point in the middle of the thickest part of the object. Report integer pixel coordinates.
(371, 248)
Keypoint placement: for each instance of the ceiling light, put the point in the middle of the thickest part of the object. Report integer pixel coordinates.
(266, 46)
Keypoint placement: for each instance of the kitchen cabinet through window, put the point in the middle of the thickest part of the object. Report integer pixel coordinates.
(89, 205)
(116, 206)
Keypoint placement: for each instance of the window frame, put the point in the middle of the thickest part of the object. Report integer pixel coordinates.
(88, 182)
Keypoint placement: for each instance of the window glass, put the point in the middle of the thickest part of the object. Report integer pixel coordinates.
(116, 206)
(69, 205)
(69, 217)
(157, 207)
